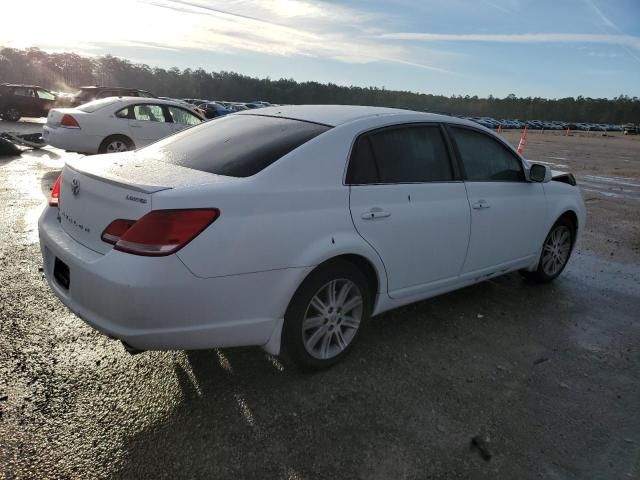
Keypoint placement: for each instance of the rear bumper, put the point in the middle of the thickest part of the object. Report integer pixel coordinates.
(70, 139)
(158, 304)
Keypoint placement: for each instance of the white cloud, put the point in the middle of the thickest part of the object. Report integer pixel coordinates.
(623, 40)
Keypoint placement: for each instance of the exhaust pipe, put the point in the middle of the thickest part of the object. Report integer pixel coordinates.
(130, 349)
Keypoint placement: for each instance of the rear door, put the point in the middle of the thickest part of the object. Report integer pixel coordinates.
(24, 100)
(409, 204)
(507, 212)
(149, 124)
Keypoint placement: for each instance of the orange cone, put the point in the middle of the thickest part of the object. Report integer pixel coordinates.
(523, 140)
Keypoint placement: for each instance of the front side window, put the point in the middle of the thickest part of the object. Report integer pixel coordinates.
(183, 117)
(148, 113)
(408, 154)
(486, 159)
(43, 94)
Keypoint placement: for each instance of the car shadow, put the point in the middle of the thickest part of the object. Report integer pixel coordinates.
(245, 414)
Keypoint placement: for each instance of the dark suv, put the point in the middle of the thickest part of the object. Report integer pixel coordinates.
(24, 101)
(88, 94)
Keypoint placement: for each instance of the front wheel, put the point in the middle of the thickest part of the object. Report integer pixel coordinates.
(556, 251)
(326, 315)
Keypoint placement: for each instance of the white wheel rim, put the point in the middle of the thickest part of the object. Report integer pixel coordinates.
(555, 253)
(332, 319)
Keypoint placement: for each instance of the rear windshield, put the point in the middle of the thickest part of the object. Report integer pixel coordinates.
(97, 104)
(235, 145)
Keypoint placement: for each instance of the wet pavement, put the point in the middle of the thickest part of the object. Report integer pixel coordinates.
(547, 376)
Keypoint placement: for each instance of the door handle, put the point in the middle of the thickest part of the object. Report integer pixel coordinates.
(375, 213)
(480, 205)
(135, 125)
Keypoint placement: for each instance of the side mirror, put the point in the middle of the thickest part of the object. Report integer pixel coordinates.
(539, 173)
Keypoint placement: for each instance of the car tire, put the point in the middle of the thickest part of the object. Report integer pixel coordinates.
(11, 114)
(115, 144)
(556, 251)
(326, 316)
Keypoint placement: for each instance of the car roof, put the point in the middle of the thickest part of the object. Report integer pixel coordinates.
(99, 87)
(334, 115)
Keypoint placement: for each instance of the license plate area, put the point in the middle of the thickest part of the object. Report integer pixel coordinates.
(61, 273)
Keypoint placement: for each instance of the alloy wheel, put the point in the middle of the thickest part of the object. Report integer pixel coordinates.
(556, 250)
(332, 319)
(117, 146)
(12, 114)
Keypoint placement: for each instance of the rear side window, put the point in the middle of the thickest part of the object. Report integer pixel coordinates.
(409, 154)
(486, 159)
(235, 145)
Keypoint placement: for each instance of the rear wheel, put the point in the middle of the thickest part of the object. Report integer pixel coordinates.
(556, 251)
(115, 144)
(11, 114)
(326, 315)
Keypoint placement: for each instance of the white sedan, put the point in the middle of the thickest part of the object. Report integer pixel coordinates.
(289, 227)
(116, 124)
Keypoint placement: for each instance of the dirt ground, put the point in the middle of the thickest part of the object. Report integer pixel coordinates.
(546, 376)
(607, 169)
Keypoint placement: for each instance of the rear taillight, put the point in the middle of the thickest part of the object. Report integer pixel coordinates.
(69, 122)
(54, 197)
(159, 232)
(115, 230)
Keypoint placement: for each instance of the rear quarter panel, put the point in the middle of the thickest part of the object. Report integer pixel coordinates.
(293, 214)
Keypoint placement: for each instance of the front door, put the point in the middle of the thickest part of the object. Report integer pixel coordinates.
(406, 203)
(507, 212)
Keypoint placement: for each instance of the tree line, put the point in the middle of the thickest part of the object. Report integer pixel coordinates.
(67, 71)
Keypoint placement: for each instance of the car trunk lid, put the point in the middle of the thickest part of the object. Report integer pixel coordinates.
(97, 190)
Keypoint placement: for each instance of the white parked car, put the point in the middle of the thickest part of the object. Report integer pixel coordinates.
(288, 227)
(116, 124)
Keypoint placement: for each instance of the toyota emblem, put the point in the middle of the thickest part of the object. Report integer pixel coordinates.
(75, 186)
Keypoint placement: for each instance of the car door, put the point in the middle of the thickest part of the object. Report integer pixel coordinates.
(149, 124)
(45, 101)
(23, 100)
(507, 211)
(182, 118)
(409, 204)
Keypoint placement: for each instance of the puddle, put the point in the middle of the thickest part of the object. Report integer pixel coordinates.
(612, 187)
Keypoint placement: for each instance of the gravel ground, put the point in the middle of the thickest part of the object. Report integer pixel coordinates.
(545, 376)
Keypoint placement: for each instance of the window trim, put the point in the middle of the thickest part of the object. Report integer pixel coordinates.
(455, 171)
(458, 157)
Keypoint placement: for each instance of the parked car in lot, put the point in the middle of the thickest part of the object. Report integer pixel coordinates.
(630, 129)
(290, 227)
(88, 94)
(214, 110)
(18, 101)
(116, 124)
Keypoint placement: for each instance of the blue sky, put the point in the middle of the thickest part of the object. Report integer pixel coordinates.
(527, 47)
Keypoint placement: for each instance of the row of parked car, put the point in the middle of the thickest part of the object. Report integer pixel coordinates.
(17, 101)
(543, 125)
